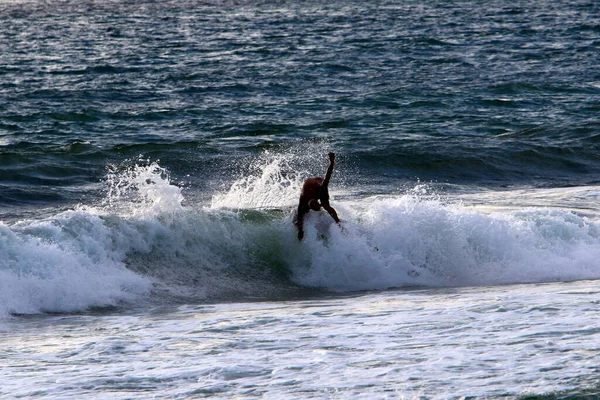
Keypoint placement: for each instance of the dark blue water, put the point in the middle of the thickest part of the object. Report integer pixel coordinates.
(484, 94)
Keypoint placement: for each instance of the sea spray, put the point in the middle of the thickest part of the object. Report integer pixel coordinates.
(141, 187)
(274, 178)
(195, 253)
(271, 187)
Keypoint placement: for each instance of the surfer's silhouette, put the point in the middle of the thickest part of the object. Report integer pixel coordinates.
(314, 196)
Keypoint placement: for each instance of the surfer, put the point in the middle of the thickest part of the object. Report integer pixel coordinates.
(314, 196)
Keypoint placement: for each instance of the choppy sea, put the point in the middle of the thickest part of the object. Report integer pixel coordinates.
(151, 158)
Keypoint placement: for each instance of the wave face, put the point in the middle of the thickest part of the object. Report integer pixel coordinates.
(142, 244)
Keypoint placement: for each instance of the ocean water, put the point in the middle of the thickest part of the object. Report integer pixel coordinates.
(151, 158)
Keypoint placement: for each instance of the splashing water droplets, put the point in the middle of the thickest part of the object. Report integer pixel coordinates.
(142, 189)
(273, 184)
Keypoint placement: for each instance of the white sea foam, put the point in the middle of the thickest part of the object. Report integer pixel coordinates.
(492, 342)
(404, 240)
(77, 259)
(63, 264)
(142, 239)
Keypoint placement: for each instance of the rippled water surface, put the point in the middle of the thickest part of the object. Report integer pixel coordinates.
(497, 94)
(151, 157)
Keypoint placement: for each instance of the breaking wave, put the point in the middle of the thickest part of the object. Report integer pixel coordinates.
(142, 244)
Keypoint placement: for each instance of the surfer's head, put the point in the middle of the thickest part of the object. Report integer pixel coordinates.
(314, 204)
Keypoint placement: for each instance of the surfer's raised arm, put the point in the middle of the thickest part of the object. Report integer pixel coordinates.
(329, 169)
(314, 196)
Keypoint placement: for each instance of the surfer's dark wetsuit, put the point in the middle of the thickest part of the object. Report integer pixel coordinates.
(315, 190)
